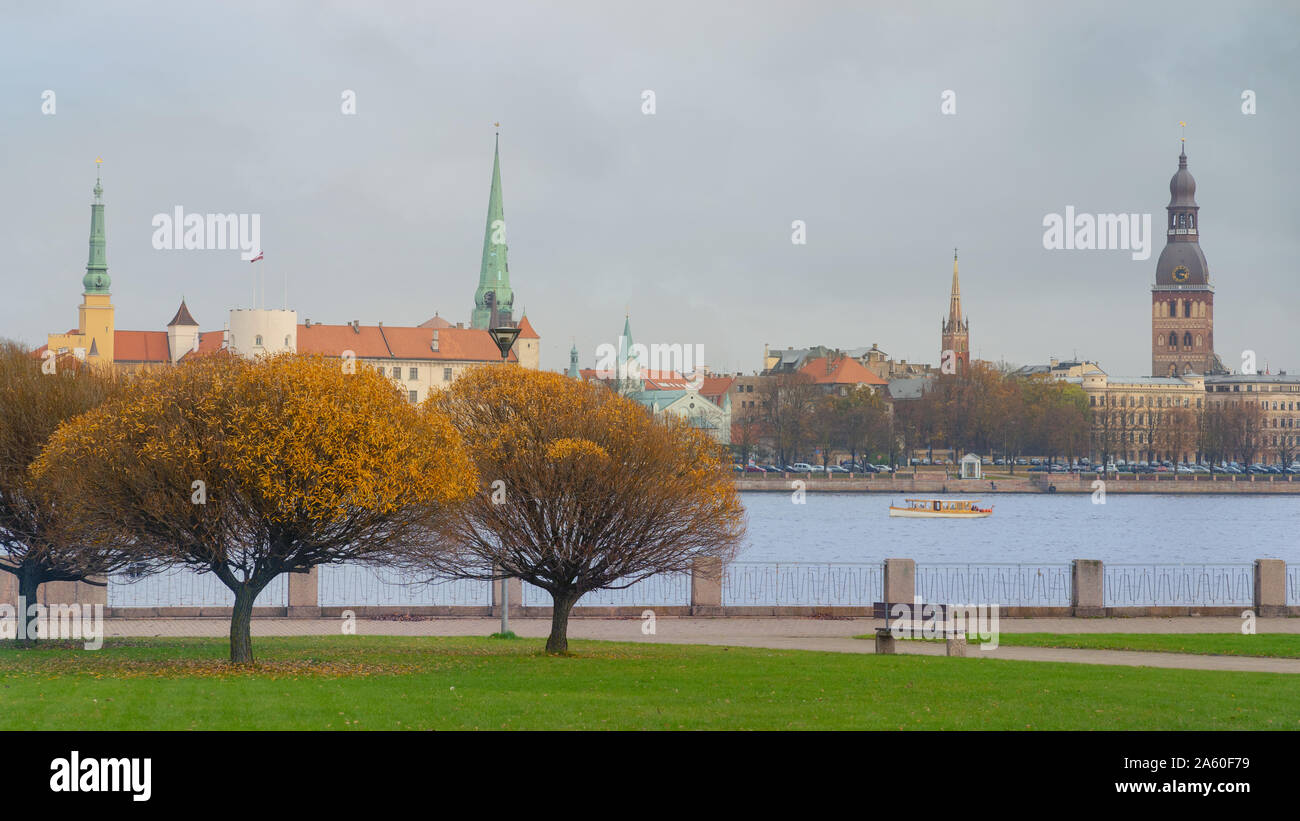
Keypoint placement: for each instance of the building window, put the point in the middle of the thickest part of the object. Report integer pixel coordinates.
(258, 340)
(1187, 308)
(1173, 339)
(446, 374)
(1187, 339)
(397, 372)
(415, 397)
(415, 374)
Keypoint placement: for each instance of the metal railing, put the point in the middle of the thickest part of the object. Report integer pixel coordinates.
(1137, 585)
(1006, 585)
(351, 585)
(663, 590)
(183, 587)
(795, 584)
(745, 584)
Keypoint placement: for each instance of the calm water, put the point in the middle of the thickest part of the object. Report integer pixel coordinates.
(853, 527)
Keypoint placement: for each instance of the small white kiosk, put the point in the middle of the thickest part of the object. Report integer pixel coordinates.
(971, 467)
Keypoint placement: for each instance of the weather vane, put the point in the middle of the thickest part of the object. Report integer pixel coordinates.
(1183, 125)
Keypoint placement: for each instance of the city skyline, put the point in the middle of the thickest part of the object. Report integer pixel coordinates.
(378, 215)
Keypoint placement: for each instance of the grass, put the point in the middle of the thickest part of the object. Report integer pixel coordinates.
(1262, 645)
(1265, 645)
(400, 682)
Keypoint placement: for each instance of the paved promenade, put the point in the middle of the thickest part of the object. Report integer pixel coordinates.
(832, 635)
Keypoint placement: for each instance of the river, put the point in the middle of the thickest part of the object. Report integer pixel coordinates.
(1031, 528)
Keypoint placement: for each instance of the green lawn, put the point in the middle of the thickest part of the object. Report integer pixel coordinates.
(1262, 645)
(1269, 645)
(371, 682)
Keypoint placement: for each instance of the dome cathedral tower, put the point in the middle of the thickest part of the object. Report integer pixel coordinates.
(1182, 299)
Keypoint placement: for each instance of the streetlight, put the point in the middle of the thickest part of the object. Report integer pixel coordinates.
(504, 336)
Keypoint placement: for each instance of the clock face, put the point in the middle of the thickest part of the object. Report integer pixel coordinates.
(1180, 273)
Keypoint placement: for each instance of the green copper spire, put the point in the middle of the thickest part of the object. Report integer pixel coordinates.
(574, 371)
(96, 280)
(494, 274)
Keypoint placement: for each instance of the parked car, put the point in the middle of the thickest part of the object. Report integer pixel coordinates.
(836, 469)
(754, 469)
(801, 467)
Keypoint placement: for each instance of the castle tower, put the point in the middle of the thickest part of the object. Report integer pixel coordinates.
(956, 329)
(493, 300)
(182, 334)
(1182, 299)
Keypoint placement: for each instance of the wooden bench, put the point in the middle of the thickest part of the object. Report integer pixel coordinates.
(885, 641)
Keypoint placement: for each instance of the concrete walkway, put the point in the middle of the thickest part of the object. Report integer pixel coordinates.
(832, 635)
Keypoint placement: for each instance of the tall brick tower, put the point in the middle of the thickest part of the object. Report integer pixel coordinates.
(1182, 299)
(956, 329)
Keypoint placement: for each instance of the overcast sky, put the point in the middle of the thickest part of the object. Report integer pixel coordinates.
(765, 114)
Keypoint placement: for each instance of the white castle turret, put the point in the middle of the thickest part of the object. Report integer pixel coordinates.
(257, 331)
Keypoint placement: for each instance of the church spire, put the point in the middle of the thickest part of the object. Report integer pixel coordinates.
(954, 350)
(96, 280)
(954, 300)
(494, 300)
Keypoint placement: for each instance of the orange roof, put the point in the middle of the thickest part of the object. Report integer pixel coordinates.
(843, 371)
(140, 346)
(435, 322)
(384, 342)
(209, 342)
(715, 387)
(526, 329)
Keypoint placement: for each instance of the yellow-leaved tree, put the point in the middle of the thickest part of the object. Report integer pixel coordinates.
(41, 538)
(252, 468)
(596, 492)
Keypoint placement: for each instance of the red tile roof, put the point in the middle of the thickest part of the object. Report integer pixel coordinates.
(385, 342)
(716, 387)
(140, 346)
(526, 329)
(209, 342)
(842, 371)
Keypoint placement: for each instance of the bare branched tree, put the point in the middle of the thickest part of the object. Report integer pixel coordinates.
(583, 489)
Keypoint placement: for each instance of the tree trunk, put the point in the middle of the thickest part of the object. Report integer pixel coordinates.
(558, 641)
(241, 622)
(29, 583)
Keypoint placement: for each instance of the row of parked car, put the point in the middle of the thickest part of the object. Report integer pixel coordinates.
(804, 467)
(1185, 467)
(1120, 466)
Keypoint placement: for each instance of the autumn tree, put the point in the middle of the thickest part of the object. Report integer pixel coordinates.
(249, 469)
(41, 538)
(864, 423)
(583, 489)
(745, 427)
(787, 401)
(825, 427)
